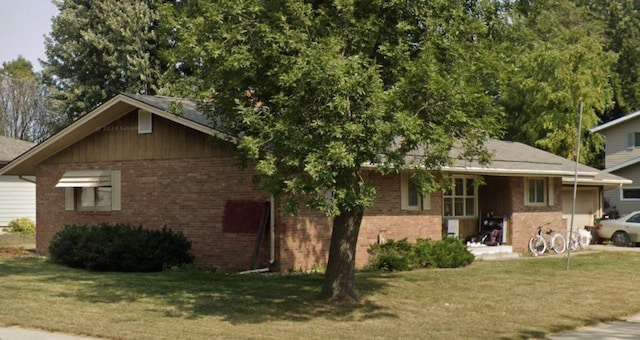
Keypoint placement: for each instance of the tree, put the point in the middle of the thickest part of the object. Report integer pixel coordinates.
(320, 89)
(622, 37)
(99, 48)
(24, 107)
(556, 59)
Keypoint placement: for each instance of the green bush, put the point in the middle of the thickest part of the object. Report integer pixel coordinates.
(392, 256)
(22, 226)
(119, 247)
(451, 253)
(403, 255)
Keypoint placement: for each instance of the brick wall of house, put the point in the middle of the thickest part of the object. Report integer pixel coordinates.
(526, 219)
(156, 193)
(305, 239)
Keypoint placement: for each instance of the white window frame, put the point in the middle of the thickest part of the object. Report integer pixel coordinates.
(452, 195)
(422, 203)
(622, 198)
(73, 195)
(545, 191)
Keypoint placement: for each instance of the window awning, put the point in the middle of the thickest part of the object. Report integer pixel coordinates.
(85, 179)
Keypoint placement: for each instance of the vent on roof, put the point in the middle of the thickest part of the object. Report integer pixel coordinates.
(144, 122)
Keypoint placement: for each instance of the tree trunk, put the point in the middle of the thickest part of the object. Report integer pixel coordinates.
(339, 280)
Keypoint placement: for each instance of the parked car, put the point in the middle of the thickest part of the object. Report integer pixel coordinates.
(620, 230)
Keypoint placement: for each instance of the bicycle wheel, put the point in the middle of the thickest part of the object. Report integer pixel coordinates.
(574, 241)
(537, 245)
(558, 244)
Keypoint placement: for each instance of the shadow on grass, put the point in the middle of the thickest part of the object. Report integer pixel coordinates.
(187, 293)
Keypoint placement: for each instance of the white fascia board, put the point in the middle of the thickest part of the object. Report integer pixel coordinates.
(504, 172)
(615, 122)
(518, 172)
(607, 182)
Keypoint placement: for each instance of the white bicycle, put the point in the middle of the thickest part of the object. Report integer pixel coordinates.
(538, 245)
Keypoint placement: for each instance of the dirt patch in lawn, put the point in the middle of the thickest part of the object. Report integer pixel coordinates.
(16, 245)
(15, 251)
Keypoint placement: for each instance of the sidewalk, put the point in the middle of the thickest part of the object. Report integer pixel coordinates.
(628, 329)
(17, 333)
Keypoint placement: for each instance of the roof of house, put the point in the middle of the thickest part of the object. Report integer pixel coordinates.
(513, 158)
(11, 148)
(509, 158)
(615, 122)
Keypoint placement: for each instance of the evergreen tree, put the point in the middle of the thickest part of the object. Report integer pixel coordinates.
(99, 48)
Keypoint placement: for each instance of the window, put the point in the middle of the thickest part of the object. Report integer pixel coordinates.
(460, 199)
(411, 197)
(90, 199)
(91, 190)
(633, 140)
(630, 194)
(535, 191)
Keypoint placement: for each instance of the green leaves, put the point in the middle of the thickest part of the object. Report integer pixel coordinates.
(321, 89)
(558, 59)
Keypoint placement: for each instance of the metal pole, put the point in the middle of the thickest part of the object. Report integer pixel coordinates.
(575, 181)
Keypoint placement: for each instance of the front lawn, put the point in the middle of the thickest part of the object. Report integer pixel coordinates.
(512, 299)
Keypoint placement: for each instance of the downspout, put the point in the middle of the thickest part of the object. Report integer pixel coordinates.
(26, 179)
(272, 231)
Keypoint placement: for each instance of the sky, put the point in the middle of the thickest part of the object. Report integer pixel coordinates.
(23, 25)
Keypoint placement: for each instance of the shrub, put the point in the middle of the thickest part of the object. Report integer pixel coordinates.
(402, 255)
(22, 226)
(450, 252)
(119, 247)
(392, 256)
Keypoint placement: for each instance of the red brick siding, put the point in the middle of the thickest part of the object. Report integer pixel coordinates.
(156, 193)
(304, 240)
(526, 219)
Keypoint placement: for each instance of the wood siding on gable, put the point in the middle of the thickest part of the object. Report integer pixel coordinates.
(616, 150)
(120, 141)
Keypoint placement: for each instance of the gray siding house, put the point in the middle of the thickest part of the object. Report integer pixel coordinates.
(622, 158)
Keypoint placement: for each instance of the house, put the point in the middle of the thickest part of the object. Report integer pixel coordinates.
(17, 194)
(156, 161)
(622, 158)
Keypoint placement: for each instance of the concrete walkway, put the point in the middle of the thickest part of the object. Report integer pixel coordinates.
(627, 329)
(17, 333)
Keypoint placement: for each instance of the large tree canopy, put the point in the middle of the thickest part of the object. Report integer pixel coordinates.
(556, 59)
(319, 89)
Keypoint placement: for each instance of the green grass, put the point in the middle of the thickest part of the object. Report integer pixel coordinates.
(515, 299)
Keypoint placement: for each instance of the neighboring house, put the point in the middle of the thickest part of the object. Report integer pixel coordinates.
(137, 160)
(622, 158)
(17, 195)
